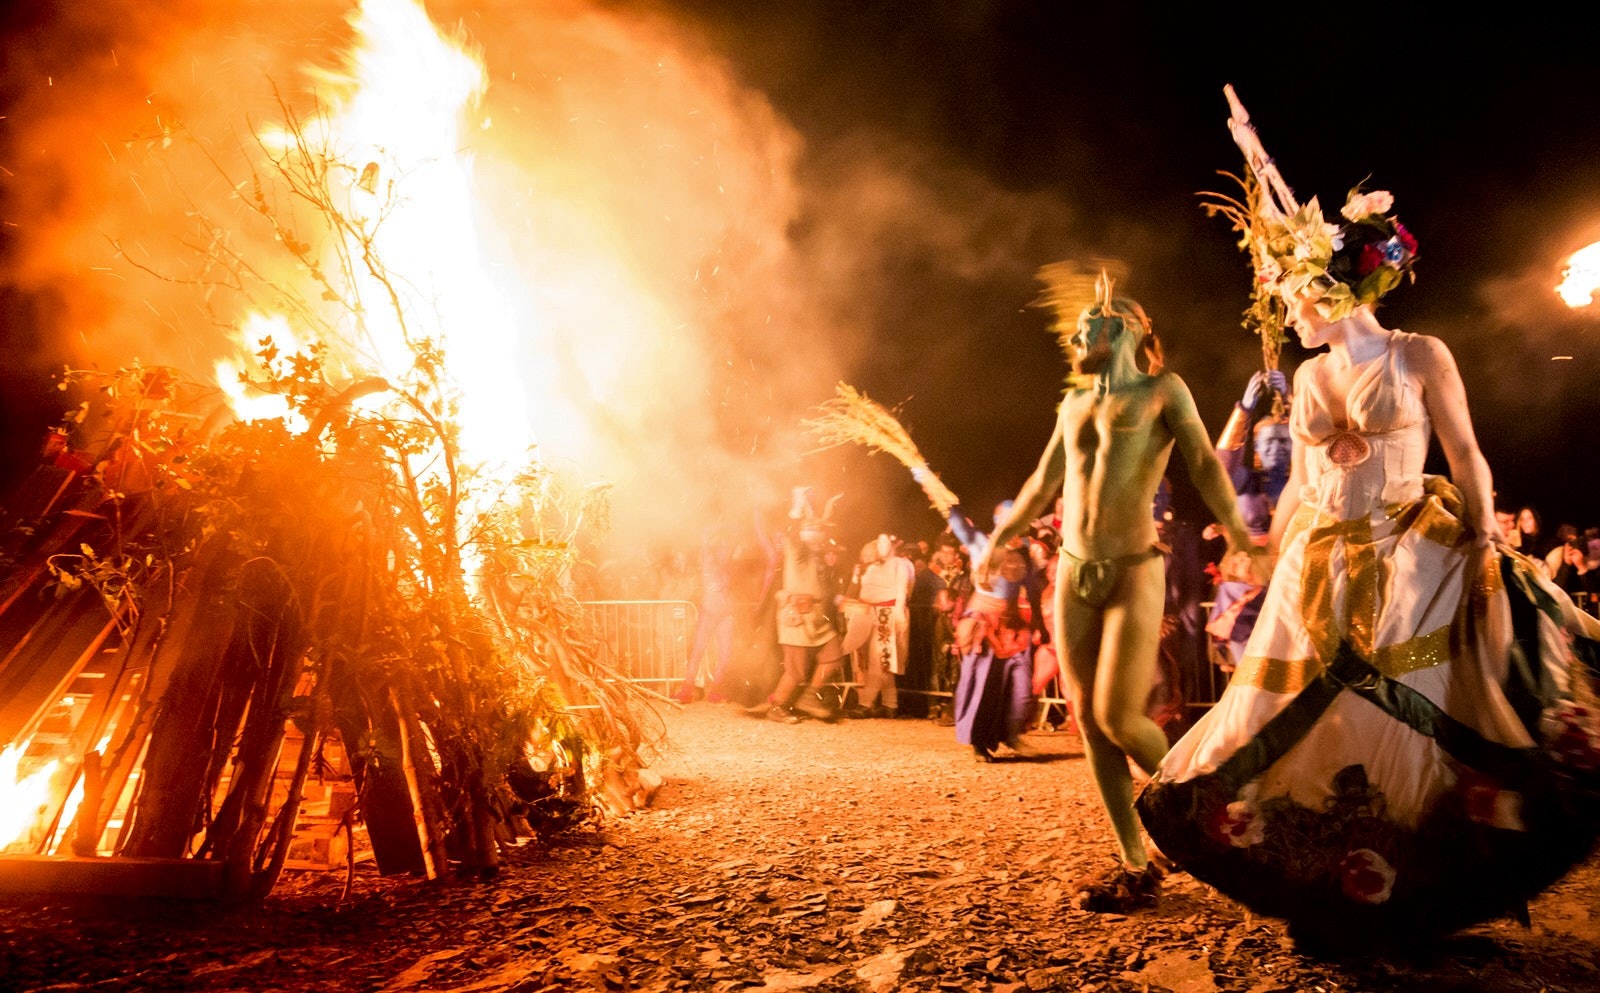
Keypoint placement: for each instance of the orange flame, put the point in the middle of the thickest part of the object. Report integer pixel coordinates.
(406, 186)
(23, 799)
(606, 266)
(1581, 277)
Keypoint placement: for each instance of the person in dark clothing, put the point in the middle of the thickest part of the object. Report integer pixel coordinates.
(929, 606)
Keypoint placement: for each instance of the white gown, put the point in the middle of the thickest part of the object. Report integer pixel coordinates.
(1405, 742)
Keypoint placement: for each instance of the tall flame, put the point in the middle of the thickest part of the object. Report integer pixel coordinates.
(614, 269)
(1581, 277)
(407, 186)
(22, 798)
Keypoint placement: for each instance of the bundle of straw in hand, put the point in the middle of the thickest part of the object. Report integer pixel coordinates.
(852, 417)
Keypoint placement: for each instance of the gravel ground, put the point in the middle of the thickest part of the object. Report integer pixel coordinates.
(865, 855)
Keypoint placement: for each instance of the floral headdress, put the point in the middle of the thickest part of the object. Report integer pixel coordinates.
(1294, 247)
(1351, 264)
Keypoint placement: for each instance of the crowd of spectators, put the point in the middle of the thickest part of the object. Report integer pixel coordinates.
(1570, 556)
(898, 607)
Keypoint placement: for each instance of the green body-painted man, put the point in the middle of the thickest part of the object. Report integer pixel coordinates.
(1113, 436)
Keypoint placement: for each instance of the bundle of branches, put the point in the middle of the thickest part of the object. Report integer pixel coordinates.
(1264, 317)
(259, 576)
(852, 417)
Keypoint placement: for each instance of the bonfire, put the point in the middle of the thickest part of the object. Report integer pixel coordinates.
(252, 623)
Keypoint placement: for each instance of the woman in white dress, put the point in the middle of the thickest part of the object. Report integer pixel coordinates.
(1406, 747)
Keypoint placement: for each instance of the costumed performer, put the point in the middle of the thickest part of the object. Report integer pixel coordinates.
(1113, 437)
(999, 627)
(1254, 434)
(807, 633)
(1409, 745)
(713, 619)
(878, 626)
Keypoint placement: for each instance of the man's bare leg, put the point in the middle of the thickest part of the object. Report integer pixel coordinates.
(1130, 644)
(1111, 659)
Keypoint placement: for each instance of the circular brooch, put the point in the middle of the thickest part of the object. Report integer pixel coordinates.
(1347, 449)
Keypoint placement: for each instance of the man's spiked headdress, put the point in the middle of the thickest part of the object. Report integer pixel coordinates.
(1073, 291)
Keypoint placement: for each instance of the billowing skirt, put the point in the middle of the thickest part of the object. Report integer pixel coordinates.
(1409, 744)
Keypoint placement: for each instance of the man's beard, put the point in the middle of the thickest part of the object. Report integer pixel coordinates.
(1093, 361)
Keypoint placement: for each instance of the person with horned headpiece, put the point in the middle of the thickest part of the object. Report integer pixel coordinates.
(808, 634)
(1115, 431)
(1409, 744)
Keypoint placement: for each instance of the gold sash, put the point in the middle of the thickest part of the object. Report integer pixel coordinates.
(1435, 517)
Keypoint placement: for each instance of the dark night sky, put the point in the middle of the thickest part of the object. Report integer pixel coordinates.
(1096, 128)
(1489, 136)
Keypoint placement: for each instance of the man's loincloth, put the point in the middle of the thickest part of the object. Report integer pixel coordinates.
(1093, 581)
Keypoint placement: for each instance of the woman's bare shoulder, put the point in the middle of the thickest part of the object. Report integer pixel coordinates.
(1425, 354)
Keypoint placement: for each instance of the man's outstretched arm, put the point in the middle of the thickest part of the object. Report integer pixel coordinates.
(1036, 494)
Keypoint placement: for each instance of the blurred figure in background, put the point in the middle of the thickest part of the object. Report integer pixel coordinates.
(807, 629)
(878, 630)
(714, 621)
(996, 635)
(928, 638)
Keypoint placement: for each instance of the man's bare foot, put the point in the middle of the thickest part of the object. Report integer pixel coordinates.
(1120, 890)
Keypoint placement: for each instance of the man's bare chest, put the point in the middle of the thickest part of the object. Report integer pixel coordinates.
(1098, 424)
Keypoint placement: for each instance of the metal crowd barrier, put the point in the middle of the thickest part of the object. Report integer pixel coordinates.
(647, 640)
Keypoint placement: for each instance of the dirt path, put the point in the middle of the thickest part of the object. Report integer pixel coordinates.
(868, 855)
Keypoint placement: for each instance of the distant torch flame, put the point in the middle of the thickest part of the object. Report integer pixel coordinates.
(22, 798)
(1581, 278)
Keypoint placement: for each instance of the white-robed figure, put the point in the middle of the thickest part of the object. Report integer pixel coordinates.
(878, 626)
(1407, 745)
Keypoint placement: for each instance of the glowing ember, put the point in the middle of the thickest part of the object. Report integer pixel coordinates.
(22, 800)
(1581, 278)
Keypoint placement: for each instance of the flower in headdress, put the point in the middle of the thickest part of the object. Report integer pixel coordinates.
(1406, 239)
(1312, 236)
(1360, 206)
(1342, 266)
(1366, 876)
(1369, 261)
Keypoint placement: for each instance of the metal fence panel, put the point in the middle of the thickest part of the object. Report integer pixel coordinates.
(648, 640)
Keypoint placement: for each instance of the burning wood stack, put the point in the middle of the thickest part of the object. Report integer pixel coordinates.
(206, 619)
(199, 622)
